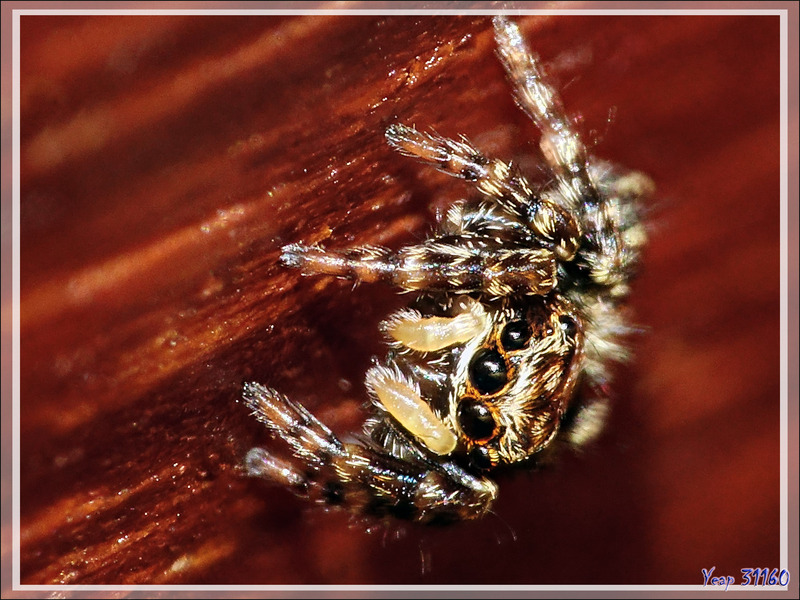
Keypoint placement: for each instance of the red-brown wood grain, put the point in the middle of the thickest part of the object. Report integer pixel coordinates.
(166, 159)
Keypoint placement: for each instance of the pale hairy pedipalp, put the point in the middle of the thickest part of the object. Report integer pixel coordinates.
(402, 400)
(428, 334)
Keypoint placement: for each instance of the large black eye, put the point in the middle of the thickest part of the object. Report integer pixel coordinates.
(515, 335)
(475, 420)
(487, 371)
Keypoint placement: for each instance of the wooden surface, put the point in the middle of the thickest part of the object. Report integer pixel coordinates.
(165, 160)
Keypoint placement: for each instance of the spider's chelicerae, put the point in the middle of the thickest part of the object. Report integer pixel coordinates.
(519, 298)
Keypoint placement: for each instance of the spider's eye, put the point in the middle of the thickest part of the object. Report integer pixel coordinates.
(568, 326)
(479, 458)
(515, 335)
(487, 371)
(476, 420)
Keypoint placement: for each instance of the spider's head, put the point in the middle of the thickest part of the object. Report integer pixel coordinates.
(512, 386)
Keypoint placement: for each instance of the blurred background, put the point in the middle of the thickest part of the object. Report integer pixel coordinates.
(166, 159)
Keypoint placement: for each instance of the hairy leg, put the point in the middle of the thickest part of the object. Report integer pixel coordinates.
(603, 199)
(454, 264)
(562, 146)
(358, 476)
(501, 182)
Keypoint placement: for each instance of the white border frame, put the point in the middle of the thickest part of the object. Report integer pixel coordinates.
(784, 290)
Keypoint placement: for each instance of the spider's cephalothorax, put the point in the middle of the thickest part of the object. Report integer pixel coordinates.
(518, 297)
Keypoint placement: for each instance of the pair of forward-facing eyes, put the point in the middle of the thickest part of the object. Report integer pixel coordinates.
(489, 375)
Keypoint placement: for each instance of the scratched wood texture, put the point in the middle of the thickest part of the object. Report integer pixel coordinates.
(165, 160)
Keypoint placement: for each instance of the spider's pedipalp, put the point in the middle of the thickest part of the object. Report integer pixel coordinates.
(409, 329)
(401, 398)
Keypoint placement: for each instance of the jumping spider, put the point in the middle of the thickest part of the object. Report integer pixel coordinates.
(519, 297)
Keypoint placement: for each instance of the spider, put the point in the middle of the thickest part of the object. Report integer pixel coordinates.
(517, 299)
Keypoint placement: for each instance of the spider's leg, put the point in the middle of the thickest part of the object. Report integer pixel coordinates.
(461, 159)
(604, 199)
(357, 476)
(366, 264)
(452, 264)
(501, 182)
(476, 264)
(563, 148)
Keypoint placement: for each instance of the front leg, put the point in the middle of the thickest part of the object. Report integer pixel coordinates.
(452, 264)
(561, 144)
(357, 476)
(499, 181)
